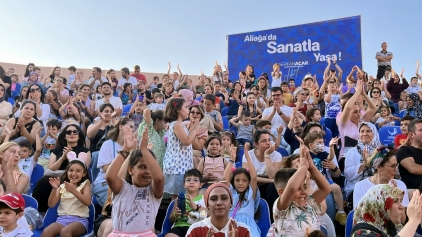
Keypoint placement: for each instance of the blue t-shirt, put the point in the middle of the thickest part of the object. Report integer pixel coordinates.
(318, 159)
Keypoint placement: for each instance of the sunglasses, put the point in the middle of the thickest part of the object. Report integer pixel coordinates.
(194, 112)
(332, 82)
(375, 92)
(50, 144)
(34, 90)
(70, 132)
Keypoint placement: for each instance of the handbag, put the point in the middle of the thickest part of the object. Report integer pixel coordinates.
(54, 174)
(104, 138)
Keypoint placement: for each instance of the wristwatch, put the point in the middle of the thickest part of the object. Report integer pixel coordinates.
(123, 153)
(335, 169)
(280, 113)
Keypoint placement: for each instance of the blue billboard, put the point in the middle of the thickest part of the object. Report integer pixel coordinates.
(299, 50)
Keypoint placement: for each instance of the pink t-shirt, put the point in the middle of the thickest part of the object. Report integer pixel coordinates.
(134, 209)
(349, 129)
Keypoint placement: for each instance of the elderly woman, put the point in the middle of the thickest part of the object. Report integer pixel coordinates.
(385, 165)
(5, 107)
(379, 213)
(218, 201)
(350, 117)
(414, 105)
(357, 165)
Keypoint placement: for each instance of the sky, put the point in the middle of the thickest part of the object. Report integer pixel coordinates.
(115, 34)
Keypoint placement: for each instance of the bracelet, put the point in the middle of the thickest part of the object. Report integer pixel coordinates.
(197, 207)
(280, 113)
(232, 161)
(123, 153)
(266, 156)
(335, 169)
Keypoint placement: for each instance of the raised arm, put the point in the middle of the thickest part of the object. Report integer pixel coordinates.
(186, 139)
(252, 171)
(157, 176)
(350, 103)
(168, 71)
(340, 72)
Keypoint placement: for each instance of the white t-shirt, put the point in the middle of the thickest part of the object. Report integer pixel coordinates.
(134, 209)
(20, 231)
(97, 83)
(132, 80)
(27, 165)
(277, 120)
(115, 101)
(364, 185)
(260, 166)
(276, 82)
(105, 157)
(70, 80)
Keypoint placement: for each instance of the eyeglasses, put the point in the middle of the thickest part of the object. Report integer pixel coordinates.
(34, 90)
(194, 112)
(394, 166)
(304, 94)
(332, 82)
(276, 95)
(70, 132)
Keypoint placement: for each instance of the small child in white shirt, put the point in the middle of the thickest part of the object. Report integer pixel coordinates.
(13, 205)
(27, 163)
(48, 142)
(158, 103)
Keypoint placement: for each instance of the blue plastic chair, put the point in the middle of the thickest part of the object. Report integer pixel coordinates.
(30, 201)
(402, 113)
(264, 222)
(224, 111)
(51, 217)
(222, 105)
(349, 223)
(328, 136)
(126, 109)
(388, 133)
(167, 224)
(240, 153)
(36, 175)
(233, 129)
(282, 151)
(12, 101)
(226, 125)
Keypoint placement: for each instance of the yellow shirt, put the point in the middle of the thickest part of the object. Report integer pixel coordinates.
(70, 205)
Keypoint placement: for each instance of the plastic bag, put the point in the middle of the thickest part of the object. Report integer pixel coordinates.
(33, 217)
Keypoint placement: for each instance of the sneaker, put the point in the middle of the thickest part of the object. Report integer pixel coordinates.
(341, 218)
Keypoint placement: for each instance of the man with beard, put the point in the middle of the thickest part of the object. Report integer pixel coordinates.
(109, 98)
(96, 78)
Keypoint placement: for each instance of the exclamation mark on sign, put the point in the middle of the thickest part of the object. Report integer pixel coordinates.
(339, 56)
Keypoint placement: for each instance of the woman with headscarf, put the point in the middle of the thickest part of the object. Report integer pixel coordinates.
(357, 166)
(414, 107)
(218, 201)
(379, 213)
(189, 96)
(5, 107)
(384, 163)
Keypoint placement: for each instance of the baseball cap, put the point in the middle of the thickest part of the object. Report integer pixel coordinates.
(13, 200)
(308, 76)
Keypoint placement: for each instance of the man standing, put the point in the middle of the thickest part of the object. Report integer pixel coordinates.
(409, 156)
(383, 58)
(127, 78)
(137, 74)
(96, 78)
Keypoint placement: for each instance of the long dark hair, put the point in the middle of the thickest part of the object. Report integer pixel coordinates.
(64, 177)
(41, 91)
(27, 69)
(114, 132)
(134, 158)
(173, 105)
(61, 140)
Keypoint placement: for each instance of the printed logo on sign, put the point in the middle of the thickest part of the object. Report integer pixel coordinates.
(293, 69)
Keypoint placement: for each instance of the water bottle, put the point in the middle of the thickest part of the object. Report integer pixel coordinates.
(181, 203)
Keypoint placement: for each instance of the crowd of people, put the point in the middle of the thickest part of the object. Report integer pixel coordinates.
(217, 147)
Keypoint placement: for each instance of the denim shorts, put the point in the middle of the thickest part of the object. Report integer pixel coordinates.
(66, 220)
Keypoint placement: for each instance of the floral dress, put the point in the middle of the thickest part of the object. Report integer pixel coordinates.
(374, 210)
(155, 138)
